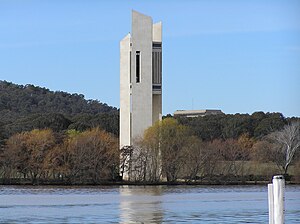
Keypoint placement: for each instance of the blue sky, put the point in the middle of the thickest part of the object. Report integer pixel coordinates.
(237, 56)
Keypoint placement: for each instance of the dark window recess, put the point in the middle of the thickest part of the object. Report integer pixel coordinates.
(154, 87)
(156, 45)
(137, 66)
(156, 67)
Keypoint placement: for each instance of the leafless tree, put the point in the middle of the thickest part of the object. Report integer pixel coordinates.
(212, 152)
(125, 159)
(287, 142)
(195, 159)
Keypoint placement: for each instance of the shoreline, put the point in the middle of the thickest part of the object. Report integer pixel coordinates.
(126, 183)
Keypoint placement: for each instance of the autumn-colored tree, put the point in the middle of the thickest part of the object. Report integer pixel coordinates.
(26, 152)
(15, 156)
(93, 156)
(246, 143)
(56, 163)
(262, 151)
(38, 143)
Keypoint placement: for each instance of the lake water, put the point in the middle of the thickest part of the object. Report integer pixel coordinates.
(138, 204)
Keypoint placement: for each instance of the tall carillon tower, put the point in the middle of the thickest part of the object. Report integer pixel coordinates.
(140, 78)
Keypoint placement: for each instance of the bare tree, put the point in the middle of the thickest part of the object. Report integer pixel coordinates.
(125, 159)
(213, 156)
(287, 143)
(232, 155)
(195, 158)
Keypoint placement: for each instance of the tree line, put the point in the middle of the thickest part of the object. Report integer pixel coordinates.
(227, 126)
(73, 158)
(200, 148)
(169, 150)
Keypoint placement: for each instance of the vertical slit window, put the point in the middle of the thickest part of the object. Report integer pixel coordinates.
(138, 66)
(153, 67)
(159, 67)
(130, 67)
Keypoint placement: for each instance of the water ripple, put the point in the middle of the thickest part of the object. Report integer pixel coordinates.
(142, 204)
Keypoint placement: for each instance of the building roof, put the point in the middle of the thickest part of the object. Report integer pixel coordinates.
(196, 113)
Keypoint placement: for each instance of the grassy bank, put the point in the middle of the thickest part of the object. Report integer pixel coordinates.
(242, 173)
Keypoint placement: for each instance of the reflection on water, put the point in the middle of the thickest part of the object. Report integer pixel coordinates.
(141, 204)
(138, 204)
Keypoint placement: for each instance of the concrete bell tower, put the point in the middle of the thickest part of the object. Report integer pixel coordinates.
(140, 78)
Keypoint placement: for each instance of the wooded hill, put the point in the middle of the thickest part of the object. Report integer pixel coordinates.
(27, 107)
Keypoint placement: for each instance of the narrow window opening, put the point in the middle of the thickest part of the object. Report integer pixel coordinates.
(138, 66)
(130, 67)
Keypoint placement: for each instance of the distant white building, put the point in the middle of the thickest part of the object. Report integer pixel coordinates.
(196, 113)
(140, 78)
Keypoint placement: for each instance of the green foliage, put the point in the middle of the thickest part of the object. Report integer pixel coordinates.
(106, 121)
(24, 108)
(169, 137)
(270, 123)
(28, 99)
(56, 122)
(207, 128)
(229, 126)
(72, 133)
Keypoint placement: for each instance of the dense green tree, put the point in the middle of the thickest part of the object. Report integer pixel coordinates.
(56, 122)
(206, 128)
(270, 123)
(106, 121)
(24, 108)
(236, 125)
(33, 99)
(228, 126)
